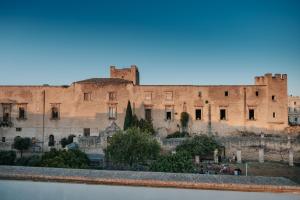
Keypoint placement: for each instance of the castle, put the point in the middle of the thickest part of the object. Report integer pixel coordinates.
(49, 113)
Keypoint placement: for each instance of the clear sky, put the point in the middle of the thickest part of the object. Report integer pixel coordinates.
(172, 42)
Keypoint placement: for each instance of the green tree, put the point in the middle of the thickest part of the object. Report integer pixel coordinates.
(201, 145)
(65, 141)
(180, 162)
(22, 144)
(7, 157)
(128, 122)
(132, 147)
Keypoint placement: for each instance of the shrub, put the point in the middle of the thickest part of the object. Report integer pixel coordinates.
(22, 144)
(7, 157)
(184, 120)
(201, 145)
(178, 134)
(132, 147)
(65, 159)
(29, 161)
(179, 162)
(65, 141)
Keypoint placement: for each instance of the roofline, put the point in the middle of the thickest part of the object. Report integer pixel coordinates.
(202, 85)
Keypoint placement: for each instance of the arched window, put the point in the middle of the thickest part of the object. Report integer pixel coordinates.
(51, 140)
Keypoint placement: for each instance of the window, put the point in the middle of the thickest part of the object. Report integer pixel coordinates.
(51, 141)
(273, 98)
(86, 96)
(86, 132)
(3, 139)
(18, 129)
(148, 96)
(112, 112)
(148, 115)
(274, 114)
(55, 115)
(198, 114)
(251, 114)
(112, 96)
(223, 114)
(199, 94)
(295, 103)
(296, 119)
(257, 93)
(22, 113)
(226, 93)
(6, 112)
(169, 96)
(169, 113)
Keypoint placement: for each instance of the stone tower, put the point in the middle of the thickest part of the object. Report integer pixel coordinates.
(130, 74)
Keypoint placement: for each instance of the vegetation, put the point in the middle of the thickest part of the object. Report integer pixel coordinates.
(128, 122)
(132, 147)
(7, 157)
(22, 144)
(184, 120)
(29, 161)
(64, 159)
(201, 145)
(179, 162)
(65, 141)
(178, 134)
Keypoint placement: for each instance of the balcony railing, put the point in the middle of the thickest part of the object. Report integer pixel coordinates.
(6, 122)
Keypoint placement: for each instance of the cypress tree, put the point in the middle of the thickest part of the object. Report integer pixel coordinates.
(128, 117)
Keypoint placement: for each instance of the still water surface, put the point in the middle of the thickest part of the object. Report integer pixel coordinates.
(29, 190)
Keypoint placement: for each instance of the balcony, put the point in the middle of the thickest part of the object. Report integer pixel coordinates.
(6, 122)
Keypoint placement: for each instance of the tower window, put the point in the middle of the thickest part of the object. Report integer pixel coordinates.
(199, 94)
(86, 96)
(295, 103)
(168, 115)
(257, 93)
(223, 114)
(148, 115)
(112, 96)
(198, 114)
(55, 112)
(86, 132)
(251, 114)
(274, 114)
(226, 93)
(273, 98)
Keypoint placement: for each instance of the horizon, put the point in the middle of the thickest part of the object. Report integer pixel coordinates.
(171, 42)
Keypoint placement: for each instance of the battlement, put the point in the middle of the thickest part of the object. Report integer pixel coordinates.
(265, 80)
(130, 74)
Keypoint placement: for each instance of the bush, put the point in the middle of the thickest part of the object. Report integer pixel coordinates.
(180, 162)
(132, 147)
(65, 141)
(7, 157)
(65, 159)
(184, 120)
(29, 161)
(178, 134)
(201, 145)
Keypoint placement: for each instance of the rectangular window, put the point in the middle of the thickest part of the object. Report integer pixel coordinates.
(226, 93)
(148, 114)
(251, 114)
(169, 96)
(86, 96)
(112, 112)
(223, 114)
(274, 114)
(112, 96)
(6, 112)
(198, 114)
(22, 113)
(18, 129)
(273, 98)
(168, 115)
(55, 111)
(148, 96)
(257, 93)
(86, 132)
(3, 139)
(199, 94)
(169, 112)
(295, 103)
(296, 119)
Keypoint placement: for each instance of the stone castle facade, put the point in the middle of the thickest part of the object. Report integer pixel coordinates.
(85, 108)
(294, 110)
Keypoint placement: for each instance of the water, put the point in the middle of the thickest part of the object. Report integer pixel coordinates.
(23, 190)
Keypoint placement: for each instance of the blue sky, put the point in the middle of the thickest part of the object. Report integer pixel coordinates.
(172, 42)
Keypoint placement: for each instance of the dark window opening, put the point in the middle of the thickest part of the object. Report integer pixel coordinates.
(251, 114)
(86, 96)
(51, 141)
(273, 98)
(257, 93)
(148, 115)
(274, 114)
(226, 93)
(54, 113)
(6, 117)
(296, 119)
(198, 114)
(199, 94)
(86, 132)
(222, 114)
(3, 139)
(295, 103)
(168, 115)
(18, 129)
(22, 113)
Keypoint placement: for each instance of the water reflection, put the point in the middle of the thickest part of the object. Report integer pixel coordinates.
(28, 190)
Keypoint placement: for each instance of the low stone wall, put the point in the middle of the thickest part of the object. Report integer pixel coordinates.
(152, 179)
